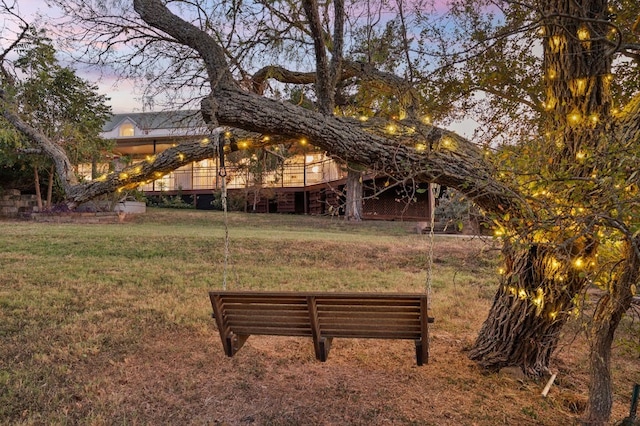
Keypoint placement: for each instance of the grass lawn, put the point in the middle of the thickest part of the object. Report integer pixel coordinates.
(110, 324)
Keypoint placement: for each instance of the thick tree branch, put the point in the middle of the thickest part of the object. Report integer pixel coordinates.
(628, 122)
(350, 69)
(155, 13)
(335, 68)
(146, 171)
(453, 161)
(457, 165)
(64, 168)
(324, 82)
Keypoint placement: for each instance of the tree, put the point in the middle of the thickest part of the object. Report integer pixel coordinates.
(584, 196)
(44, 95)
(54, 98)
(561, 198)
(541, 302)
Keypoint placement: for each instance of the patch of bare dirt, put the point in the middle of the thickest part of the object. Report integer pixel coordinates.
(184, 378)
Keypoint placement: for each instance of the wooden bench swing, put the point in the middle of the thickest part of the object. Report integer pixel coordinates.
(322, 316)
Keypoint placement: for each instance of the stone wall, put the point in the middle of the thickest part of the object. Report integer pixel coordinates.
(13, 204)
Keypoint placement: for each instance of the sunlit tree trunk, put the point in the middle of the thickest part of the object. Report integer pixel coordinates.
(529, 310)
(354, 191)
(609, 311)
(52, 174)
(518, 331)
(36, 178)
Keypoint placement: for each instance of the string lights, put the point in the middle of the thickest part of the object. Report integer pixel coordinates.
(391, 128)
(583, 33)
(556, 43)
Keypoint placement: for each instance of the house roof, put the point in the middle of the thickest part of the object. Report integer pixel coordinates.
(158, 120)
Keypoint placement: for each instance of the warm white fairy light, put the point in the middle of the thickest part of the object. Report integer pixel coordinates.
(583, 33)
(538, 299)
(391, 128)
(448, 143)
(578, 86)
(556, 42)
(574, 117)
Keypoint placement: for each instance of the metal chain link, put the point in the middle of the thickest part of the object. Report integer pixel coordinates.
(222, 172)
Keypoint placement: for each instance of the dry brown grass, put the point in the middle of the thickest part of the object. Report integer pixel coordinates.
(109, 324)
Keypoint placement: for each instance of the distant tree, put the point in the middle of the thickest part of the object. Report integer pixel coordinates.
(66, 109)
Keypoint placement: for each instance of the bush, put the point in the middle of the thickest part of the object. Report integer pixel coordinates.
(171, 202)
(236, 202)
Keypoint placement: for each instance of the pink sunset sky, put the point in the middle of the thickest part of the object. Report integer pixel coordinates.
(123, 94)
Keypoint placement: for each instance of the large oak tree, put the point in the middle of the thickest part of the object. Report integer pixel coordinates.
(565, 202)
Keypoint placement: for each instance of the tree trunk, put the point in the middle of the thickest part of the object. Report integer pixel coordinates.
(256, 197)
(528, 312)
(36, 178)
(577, 65)
(610, 310)
(353, 208)
(50, 186)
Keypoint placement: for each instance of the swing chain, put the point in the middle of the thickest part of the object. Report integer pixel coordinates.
(432, 214)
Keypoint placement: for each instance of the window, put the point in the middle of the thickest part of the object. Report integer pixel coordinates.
(127, 129)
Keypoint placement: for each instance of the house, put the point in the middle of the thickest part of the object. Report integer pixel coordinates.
(295, 177)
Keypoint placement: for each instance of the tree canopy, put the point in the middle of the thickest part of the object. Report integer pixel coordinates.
(48, 109)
